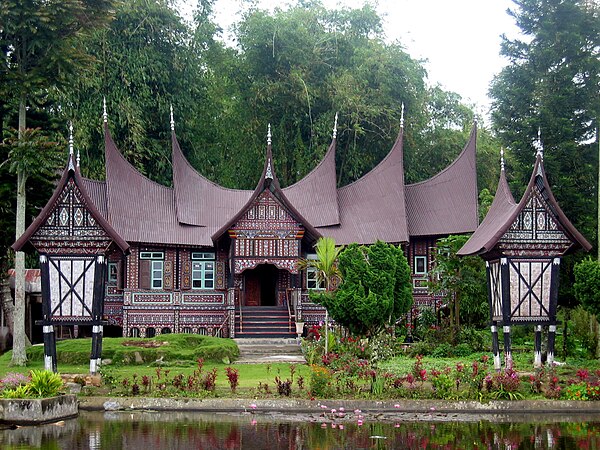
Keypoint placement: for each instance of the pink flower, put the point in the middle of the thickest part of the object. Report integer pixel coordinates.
(333, 411)
(357, 411)
(396, 425)
(342, 409)
(396, 405)
(341, 427)
(253, 406)
(359, 422)
(253, 422)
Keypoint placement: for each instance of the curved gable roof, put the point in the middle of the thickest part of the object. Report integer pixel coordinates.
(485, 240)
(373, 207)
(446, 203)
(315, 195)
(199, 201)
(140, 209)
(502, 207)
(268, 180)
(71, 171)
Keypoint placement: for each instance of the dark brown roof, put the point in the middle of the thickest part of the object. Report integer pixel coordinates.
(198, 200)
(502, 207)
(447, 203)
(71, 171)
(373, 207)
(315, 195)
(268, 180)
(142, 210)
(197, 211)
(503, 213)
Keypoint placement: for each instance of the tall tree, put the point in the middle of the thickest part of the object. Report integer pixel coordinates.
(551, 84)
(37, 39)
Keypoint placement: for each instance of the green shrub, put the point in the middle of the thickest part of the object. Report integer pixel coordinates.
(443, 350)
(585, 330)
(320, 382)
(169, 347)
(44, 383)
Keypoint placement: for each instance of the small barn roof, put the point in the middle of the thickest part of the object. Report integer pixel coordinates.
(504, 211)
(71, 171)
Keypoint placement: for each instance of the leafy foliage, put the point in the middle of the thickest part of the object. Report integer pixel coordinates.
(375, 289)
(587, 284)
(462, 281)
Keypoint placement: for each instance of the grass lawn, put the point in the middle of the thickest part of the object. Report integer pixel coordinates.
(179, 356)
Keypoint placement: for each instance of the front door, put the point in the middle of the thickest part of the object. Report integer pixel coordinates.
(252, 283)
(260, 286)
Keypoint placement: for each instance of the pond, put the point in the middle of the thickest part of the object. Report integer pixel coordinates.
(191, 430)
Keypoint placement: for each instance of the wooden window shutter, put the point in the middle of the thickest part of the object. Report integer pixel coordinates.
(186, 275)
(120, 274)
(145, 272)
(168, 276)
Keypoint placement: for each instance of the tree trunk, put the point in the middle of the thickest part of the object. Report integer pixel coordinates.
(7, 304)
(19, 356)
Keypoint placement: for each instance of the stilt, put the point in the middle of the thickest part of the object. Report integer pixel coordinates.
(551, 337)
(496, 348)
(49, 348)
(95, 358)
(508, 363)
(537, 352)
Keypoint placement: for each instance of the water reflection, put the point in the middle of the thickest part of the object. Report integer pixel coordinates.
(187, 430)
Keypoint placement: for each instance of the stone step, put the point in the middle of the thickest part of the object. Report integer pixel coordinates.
(268, 349)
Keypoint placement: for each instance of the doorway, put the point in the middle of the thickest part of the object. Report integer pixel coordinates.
(260, 286)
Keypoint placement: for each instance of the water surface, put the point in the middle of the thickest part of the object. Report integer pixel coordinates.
(191, 430)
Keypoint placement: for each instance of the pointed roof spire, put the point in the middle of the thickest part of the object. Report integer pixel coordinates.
(71, 166)
(104, 113)
(269, 135)
(402, 116)
(501, 159)
(538, 145)
(335, 126)
(172, 120)
(71, 138)
(269, 169)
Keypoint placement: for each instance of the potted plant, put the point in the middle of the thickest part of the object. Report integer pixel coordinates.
(35, 399)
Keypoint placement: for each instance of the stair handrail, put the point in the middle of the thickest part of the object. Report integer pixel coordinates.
(241, 318)
(287, 302)
(218, 333)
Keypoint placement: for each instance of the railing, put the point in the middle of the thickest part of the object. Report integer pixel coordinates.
(287, 302)
(218, 333)
(241, 319)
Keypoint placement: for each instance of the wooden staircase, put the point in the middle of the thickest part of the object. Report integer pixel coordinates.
(264, 322)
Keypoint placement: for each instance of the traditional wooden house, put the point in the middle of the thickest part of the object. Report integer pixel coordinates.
(522, 244)
(210, 260)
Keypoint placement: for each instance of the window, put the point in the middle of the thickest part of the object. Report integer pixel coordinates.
(420, 265)
(203, 270)
(112, 275)
(312, 278)
(151, 270)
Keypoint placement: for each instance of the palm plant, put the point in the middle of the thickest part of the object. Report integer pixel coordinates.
(326, 267)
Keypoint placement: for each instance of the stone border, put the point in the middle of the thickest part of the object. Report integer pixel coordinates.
(36, 411)
(313, 406)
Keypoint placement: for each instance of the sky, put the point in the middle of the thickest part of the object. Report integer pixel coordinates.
(458, 39)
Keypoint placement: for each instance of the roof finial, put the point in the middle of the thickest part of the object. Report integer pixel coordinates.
(335, 126)
(501, 159)
(71, 138)
(172, 120)
(402, 116)
(104, 113)
(538, 145)
(269, 135)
